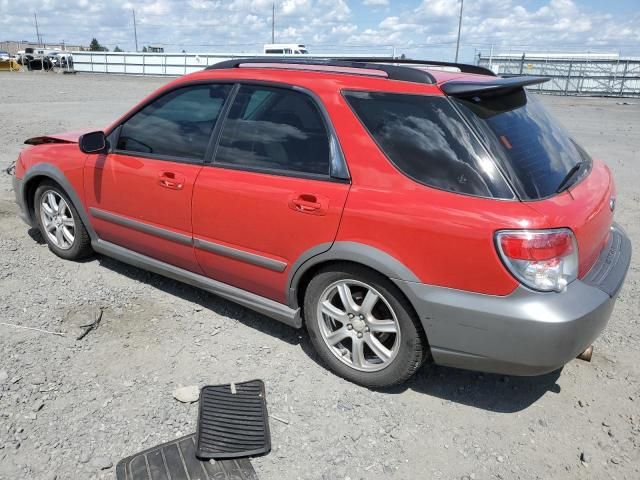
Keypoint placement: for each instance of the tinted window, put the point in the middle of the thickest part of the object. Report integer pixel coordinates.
(534, 151)
(426, 139)
(178, 124)
(275, 129)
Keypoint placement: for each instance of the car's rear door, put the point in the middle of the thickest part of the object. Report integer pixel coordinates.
(275, 189)
(139, 194)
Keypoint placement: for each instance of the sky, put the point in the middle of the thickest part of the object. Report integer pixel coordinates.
(419, 29)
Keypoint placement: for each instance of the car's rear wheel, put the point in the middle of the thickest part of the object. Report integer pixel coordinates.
(59, 223)
(363, 327)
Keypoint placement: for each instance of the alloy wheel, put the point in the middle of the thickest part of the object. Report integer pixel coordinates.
(57, 220)
(358, 325)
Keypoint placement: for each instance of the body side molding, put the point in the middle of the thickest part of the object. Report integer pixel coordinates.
(141, 226)
(241, 255)
(263, 305)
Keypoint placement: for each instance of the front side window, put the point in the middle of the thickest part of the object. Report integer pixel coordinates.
(427, 140)
(179, 124)
(274, 129)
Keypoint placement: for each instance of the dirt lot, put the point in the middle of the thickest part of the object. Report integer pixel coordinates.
(72, 408)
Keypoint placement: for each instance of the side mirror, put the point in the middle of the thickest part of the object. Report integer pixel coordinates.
(93, 142)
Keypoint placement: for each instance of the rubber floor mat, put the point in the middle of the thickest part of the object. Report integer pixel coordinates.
(233, 421)
(176, 460)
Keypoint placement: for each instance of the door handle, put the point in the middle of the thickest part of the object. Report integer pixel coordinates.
(172, 180)
(308, 203)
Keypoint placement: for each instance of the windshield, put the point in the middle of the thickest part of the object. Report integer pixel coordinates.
(534, 152)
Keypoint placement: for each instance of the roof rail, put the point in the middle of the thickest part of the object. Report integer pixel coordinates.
(463, 67)
(393, 72)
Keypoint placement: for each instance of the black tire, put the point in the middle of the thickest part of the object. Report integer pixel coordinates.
(81, 246)
(412, 349)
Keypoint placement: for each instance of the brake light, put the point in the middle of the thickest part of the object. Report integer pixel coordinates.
(545, 260)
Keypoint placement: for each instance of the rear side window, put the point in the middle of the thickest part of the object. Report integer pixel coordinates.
(427, 140)
(274, 129)
(178, 124)
(535, 152)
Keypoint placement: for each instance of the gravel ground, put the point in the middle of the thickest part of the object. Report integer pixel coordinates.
(72, 408)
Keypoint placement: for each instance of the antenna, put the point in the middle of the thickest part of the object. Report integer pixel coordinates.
(459, 29)
(135, 31)
(273, 22)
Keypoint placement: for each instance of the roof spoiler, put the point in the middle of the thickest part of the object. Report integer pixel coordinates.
(461, 88)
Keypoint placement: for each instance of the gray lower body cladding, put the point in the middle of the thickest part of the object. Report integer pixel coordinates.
(22, 207)
(526, 332)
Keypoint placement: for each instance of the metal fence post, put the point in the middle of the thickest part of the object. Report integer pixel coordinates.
(566, 86)
(624, 77)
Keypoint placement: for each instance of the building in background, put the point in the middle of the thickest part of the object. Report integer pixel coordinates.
(13, 47)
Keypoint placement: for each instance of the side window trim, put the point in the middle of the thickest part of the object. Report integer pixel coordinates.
(339, 171)
(214, 140)
(114, 133)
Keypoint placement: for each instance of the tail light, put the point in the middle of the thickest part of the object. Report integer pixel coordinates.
(544, 260)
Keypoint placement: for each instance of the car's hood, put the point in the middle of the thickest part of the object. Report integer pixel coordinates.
(65, 137)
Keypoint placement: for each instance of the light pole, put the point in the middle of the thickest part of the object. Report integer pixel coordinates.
(35, 16)
(135, 30)
(459, 29)
(273, 22)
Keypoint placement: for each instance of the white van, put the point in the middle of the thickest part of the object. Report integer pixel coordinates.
(285, 49)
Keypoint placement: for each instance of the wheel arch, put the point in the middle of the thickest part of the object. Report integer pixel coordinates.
(340, 252)
(45, 171)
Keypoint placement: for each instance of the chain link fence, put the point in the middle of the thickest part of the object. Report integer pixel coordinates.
(579, 74)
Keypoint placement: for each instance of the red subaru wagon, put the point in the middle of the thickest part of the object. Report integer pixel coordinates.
(398, 210)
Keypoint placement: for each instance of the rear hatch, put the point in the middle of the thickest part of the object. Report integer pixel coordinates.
(546, 168)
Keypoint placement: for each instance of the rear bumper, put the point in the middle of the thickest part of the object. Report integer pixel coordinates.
(526, 332)
(23, 209)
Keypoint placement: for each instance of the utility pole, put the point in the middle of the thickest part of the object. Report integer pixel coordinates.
(37, 31)
(273, 22)
(459, 29)
(135, 31)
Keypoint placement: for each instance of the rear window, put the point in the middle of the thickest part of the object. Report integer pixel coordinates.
(427, 140)
(534, 152)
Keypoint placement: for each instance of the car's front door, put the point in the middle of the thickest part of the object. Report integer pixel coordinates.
(139, 194)
(270, 194)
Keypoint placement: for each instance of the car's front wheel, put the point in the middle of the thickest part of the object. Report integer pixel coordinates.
(362, 326)
(59, 223)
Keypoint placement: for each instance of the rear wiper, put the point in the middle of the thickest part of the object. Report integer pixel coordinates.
(570, 174)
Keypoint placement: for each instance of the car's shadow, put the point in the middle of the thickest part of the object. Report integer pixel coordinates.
(205, 299)
(496, 393)
(36, 236)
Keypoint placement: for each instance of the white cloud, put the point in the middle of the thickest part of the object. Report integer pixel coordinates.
(208, 25)
(504, 23)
